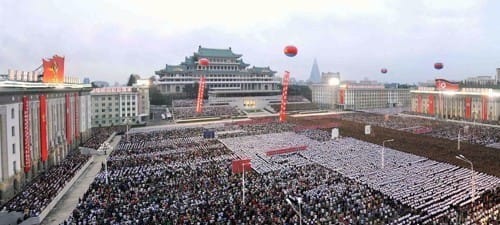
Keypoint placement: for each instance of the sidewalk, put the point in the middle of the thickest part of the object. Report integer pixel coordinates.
(68, 202)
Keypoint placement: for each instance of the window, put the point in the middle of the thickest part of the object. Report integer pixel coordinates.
(14, 166)
(12, 113)
(14, 148)
(13, 131)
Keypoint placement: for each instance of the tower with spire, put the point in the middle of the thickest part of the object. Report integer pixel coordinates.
(315, 75)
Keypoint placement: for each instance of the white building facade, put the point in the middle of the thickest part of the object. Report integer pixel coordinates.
(119, 105)
(39, 124)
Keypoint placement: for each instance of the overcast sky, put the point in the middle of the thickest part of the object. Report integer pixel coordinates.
(109, 40)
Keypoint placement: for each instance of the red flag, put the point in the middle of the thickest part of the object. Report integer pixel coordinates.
(238, 165)
(53, 70)
(59, 63)
(445, 85)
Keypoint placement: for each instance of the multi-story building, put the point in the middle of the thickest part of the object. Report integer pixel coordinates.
(229, 80)
(357, 96)
(120, 105)
(474, 104)
(39, 123)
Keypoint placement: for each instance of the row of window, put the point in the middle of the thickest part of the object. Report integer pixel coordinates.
(117, 121)
(116, 109)
(109, 98)
(116, 115)
(111, 104)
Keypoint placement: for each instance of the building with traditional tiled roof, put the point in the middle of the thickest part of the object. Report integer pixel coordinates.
(229, 79)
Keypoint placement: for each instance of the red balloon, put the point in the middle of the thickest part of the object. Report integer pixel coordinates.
(203, 61)
(438, 65)
(290, 51)
(383, 70)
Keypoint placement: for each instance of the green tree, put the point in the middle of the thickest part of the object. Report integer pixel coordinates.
(132, 80)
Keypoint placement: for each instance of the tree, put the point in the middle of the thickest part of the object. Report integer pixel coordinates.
(132, 80)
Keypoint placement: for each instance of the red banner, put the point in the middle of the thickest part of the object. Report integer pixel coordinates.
(284, 97)
(68, 119)
(77, 116)
(53, 70)
(43, 128)
(484, 107)
(237, 166)
(468, 101)
(286, 150)
(419, 103)
(342, 96)
(431, 105)
(445, 85)
(26, 134)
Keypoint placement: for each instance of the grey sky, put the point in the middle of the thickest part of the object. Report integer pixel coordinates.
(109, 40)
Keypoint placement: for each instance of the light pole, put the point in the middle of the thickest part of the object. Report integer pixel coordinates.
(458, 139)
(299, 212)
(383, 151)
(472, 182)
(106, 169)
(243, 182)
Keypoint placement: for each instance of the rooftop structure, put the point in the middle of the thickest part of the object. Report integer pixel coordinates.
(228, 78)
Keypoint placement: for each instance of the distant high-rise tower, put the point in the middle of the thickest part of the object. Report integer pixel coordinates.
(315, 76)
(498, 76)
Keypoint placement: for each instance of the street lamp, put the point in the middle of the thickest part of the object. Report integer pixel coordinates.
(383, 150)
(106, 169)
(299, 212)
(472, 183)
(243, 182)
(458, 139)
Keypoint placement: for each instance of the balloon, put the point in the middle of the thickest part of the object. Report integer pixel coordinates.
(383, 70)
(203, 61)
(290, 51)
(438, 65)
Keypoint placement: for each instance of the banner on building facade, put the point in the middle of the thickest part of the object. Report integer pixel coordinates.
(26, 134)
(446, 85)
(419, 103)
(68, 119)
(43, 129)
(484, 107)
(77, 115)
(342, 96)
(53, 70)
(468, 102)
(431, 105)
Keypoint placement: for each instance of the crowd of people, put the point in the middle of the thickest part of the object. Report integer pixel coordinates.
(476, 133)
(181, 113)
(101, 134)
(297, 106)
(42, 190)
(175, 176)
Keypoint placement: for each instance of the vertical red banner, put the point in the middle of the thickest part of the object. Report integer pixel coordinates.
(284, 97)
(431, 105)
(342, 96)
(468, 101)
(68, 120)
(26, 134)
(77, 116)
(484, 107)
(419, 103)
(43, 128)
